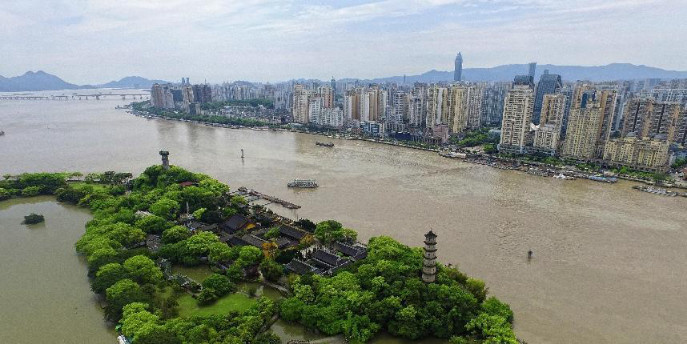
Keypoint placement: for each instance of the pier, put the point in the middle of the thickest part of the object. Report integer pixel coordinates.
(243, 191)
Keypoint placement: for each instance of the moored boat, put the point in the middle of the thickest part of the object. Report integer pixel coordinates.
(303, 183)
(323, 144)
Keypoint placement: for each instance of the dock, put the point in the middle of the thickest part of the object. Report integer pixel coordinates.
(250, 193)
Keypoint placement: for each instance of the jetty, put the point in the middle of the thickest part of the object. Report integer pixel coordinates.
(250, 193)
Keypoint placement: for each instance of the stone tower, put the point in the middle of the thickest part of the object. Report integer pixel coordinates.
(165, 159)
(429, 263)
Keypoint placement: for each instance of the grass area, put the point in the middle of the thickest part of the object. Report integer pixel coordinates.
(188, 306)
(196, 273)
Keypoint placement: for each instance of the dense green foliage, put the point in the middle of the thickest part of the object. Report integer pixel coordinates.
(33, 219)
(679, 163)
(330, 231)
(216, 106)
(385, 292)
(475, 138)
(247, 122)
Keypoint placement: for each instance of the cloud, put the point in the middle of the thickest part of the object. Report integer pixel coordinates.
(91, 41)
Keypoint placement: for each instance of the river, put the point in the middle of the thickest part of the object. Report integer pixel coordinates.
(608, 262)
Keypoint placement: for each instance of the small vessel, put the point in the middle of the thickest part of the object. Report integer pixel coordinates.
(323, 144)
(2, 133)
(303, 183)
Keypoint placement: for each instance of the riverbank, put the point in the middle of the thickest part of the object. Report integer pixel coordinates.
(489, 160)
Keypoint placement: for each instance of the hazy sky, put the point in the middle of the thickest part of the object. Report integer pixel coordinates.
(94, 41)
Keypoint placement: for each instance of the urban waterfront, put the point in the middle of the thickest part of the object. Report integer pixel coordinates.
(607, 259)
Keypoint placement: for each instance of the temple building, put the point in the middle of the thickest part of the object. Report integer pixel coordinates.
(429, 263)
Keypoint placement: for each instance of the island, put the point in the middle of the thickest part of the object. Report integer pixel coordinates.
(146, 229)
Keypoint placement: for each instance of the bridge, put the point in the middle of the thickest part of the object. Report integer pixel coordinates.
(75, 96)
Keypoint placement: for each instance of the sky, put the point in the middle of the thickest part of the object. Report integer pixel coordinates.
(95, 41)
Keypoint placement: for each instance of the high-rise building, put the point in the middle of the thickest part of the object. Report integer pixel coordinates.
(517, 116)
(589, 123)
(548, 84)
(437, 104)
(492, 107)
(647, 118)
(475, 101)
(315, 105)
(417, 106)
(547, 136)
(532, 69)
(458, 71)
(300, 104)
(327, 95)
(161, 96)
(202, 93)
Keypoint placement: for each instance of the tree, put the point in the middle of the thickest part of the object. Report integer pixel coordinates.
(152, 224)
(220, 253)
(492, 328)
(33, 219)
(330, 231)
(165, 208)
(143, 270)
(249, 256)
(477, 288)
(199, 245)
(106, 276)
(272, 233)
(134, 317)
(207, 296)
(271, 270)
(306, 224)
(175, 234)
(121, 294)
(220, 283)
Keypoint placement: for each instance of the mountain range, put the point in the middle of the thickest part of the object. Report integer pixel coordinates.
(614, 71)
(41, 81)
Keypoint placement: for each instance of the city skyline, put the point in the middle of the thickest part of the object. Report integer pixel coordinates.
(275, 41)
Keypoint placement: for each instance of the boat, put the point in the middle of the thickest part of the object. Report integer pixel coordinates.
(656, 191)
(303, 183)
(603, 179)
(2, 133)
(323, 144)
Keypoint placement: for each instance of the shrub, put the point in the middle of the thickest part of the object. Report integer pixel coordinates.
(33, 219)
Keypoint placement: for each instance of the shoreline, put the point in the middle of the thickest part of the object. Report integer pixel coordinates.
(512, 164)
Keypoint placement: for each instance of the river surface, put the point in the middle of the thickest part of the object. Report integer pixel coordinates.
(609, 261)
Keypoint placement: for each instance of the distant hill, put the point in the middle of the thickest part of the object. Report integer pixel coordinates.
(132, 82)
(614, 71)
(34, 81)
(42, 81)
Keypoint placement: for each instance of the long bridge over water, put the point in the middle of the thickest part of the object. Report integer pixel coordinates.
(76, 96)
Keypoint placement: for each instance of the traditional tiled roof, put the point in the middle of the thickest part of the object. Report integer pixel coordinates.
(235, 223)
(292, 233)
(356, 252)
(253, 240)
(328, 258)
(236, 241)
(300, 267)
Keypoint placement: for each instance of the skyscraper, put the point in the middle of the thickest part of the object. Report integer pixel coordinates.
(300, 104)
(587, 130)
(458, 72)
(517, 116)
(533, 69)
(548, 84)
